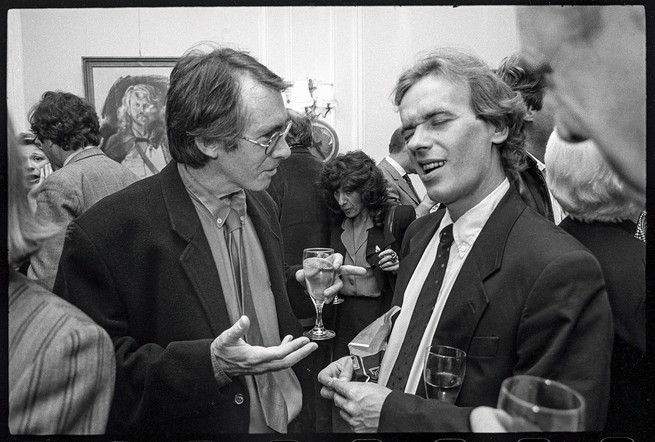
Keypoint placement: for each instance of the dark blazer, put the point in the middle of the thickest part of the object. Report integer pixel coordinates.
(622, 258)
(531, 185)
(355, 313)
(528, 300)
(140, 265)
(303, 212)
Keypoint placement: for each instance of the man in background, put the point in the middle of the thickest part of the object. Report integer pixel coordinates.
(396, 168)
(67, 131)
(539, 123)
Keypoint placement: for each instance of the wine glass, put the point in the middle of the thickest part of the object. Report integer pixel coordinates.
(319, 275)
(443, 372)
(538, 404)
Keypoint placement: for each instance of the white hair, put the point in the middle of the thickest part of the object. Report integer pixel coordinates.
(584, 183)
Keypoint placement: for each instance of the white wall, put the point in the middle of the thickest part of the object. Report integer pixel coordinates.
(362, 50)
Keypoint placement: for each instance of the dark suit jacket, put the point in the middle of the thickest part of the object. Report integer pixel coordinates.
(140, 265)
(528, 300)
(531, 185)
(303, 212)
(622, 258)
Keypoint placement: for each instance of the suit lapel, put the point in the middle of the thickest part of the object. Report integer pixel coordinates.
(400, 181)
(196, 258)
(468, 298)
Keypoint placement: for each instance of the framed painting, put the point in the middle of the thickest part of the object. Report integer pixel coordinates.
(129, 95)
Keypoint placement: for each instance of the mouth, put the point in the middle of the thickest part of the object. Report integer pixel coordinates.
(32, 178)
(431, 166)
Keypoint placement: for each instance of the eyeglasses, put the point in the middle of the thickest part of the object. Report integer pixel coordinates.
(272, 142)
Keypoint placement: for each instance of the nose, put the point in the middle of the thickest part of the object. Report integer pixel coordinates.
(281, 149)
(419, 140)
(340, 199)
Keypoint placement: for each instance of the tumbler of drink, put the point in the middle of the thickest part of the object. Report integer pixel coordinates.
(319, 275)
(443, 372)
(538, 404)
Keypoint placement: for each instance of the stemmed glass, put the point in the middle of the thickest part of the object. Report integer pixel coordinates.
(443, 372)
(319, 275)
(537, 404)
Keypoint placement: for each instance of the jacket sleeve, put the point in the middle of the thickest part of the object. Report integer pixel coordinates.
(68, 388)
(564, 333)
(174, 380)
(57, 203)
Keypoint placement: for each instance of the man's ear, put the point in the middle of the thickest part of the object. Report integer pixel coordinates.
(500, 135)
(529, 115)
(209, 149)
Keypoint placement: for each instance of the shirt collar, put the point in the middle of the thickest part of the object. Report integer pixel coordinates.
(541, 166)
(218, 207)
(468, 226)
(396, 166)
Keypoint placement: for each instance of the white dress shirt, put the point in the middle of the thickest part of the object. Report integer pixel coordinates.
(465, 232)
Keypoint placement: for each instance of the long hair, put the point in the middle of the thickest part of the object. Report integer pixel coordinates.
(492, 100)
(355, 172)
(204, 99)
(24, 231)
(584, 183)
(65, 119)
(140, 91)
(524, 80)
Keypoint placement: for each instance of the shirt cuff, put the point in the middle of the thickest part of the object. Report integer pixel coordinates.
(221, 376)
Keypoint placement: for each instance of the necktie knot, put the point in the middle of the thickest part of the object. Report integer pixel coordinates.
(446, 237)
(233, 221)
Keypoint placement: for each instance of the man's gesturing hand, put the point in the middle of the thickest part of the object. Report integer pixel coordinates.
(236, 357)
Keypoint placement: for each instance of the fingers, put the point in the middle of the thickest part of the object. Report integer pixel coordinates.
(352, 270)
(331, 291)
(300, 277)
(327, 393)
(337, 260)
(237, 331)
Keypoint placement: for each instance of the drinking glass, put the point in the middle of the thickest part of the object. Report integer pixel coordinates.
(443, 372)
(319, 275)
(538, 404)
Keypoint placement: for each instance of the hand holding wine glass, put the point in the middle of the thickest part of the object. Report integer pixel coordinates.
(443, 372)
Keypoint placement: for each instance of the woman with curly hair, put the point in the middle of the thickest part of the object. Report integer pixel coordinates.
(367, 229)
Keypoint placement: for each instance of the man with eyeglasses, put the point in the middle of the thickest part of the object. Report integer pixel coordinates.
(185, 269)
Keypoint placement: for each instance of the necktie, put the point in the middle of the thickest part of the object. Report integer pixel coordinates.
(233, 238)
(422, 312)
(411, 186)
(271, 398)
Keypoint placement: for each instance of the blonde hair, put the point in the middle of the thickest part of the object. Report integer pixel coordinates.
(24, 231)
(585, 185)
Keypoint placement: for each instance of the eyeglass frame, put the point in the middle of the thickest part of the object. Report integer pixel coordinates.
(272, 141)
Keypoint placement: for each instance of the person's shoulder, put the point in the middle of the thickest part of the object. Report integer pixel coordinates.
(29, 299)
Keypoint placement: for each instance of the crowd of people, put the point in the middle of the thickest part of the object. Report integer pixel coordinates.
(175, 304)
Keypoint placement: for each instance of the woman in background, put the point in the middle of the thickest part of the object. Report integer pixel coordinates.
(61, 363)
(602, 215)
(367, 230)
(36, 165)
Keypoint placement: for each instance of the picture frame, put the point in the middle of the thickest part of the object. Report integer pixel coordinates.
(129, 95)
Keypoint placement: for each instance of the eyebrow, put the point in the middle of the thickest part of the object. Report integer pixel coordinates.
(429, 115)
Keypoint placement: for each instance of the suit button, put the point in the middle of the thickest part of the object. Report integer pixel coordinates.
(238, 399)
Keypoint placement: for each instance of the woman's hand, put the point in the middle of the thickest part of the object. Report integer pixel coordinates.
(389, 261)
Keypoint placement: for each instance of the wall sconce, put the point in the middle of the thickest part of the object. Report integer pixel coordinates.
(312, 96)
